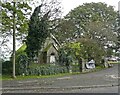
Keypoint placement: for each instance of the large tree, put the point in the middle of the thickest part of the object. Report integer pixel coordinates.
(38, 32)
(92, 20)
(14, 23)
(41, 24)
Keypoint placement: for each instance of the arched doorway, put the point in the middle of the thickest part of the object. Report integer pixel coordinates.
(52, 58)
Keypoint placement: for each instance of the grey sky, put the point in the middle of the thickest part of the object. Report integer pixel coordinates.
(71, 4)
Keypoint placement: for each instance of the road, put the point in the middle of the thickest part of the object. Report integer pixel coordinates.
(104, 81)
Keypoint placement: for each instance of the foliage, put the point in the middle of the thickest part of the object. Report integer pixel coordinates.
(62, 56)
(14, 22)
(22, 11)
(118, 30)
(65, 58)
(38, 32)
(91, 49)
(82, 49)
(90, 20)
(22, 64)
(20, 55)
(95, 25)
(40, 26)
(22, 61)
(75, 68)
(75, 48)
(45, 70)
(109, 52)
(69, 53)
(7, 67)
(64, 31)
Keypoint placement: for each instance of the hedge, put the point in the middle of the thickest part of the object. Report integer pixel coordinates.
(45, 70)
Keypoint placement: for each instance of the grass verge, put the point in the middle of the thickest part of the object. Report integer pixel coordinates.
(9, 77)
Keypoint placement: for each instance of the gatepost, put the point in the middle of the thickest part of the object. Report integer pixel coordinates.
(83, 65)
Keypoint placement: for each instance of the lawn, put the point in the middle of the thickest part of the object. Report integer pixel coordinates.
(114, 62)
(8, 77)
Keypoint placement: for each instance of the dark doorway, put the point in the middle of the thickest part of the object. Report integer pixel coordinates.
(45, 57)
(52, 54)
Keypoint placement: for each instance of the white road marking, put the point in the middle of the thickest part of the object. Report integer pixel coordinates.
(64, 78)
(113, 76)
(27, 81)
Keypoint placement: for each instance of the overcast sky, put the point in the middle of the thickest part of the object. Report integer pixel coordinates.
(71, 4)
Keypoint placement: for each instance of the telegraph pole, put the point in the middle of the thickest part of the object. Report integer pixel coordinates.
(14, 47)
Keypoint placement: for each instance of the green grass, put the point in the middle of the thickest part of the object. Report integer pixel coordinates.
(8, 77)
(112, 62)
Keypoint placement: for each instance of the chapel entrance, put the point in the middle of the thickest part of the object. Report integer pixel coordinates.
(52, 58)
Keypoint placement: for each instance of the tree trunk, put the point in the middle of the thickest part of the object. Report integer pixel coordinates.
(14, 25)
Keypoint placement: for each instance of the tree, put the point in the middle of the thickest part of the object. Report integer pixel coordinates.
(38, 32)
(40, 26)
(92, 20)
(85, 48)
(64, 31)
(91, 49)
(118, 30)
(14, 22)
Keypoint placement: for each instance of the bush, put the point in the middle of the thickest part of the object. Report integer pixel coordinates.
(47, 70)
(22, 64)
(7, 67)
(75, 68)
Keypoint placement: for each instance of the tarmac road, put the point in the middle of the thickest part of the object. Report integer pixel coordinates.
(104, 81)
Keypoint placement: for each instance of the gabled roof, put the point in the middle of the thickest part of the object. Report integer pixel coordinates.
(55, 47)
(23, 47)
(53, 37)
(48, 46)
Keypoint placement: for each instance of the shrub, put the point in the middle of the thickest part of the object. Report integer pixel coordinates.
(7, 67)
(47, 70)
(22, 64)
(75, 68)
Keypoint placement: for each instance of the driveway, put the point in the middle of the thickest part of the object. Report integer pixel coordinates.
(107, 78)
